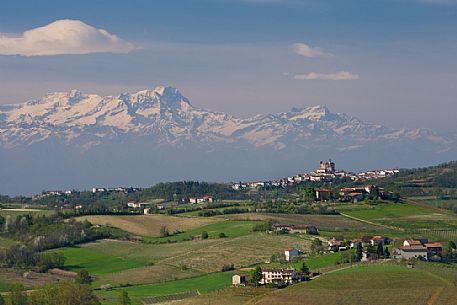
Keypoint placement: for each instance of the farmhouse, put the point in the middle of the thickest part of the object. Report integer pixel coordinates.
(375, 240)
(270, 276)
(336, 245)
(295, 228)
(240, 279)
(411, 252)
(203, 199)
(291, 253)
(139, 205)
(324, 194)
(419, 248)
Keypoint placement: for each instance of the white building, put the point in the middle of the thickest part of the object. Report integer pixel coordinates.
(270, 276)
(291, 253)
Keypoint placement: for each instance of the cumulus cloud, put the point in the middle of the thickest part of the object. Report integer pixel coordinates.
(343, 75)
(63, 37)
(305, 50)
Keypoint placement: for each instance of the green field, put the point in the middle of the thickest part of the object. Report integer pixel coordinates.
(203, 284)
(4, 286)
(406, 219)
(383, 210)
(231, 228)
(96, 263)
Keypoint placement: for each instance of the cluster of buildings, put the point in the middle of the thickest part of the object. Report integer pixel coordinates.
(45, 194)
(325, 173)
(419, 249)
(125, 190)
(337, 245)
(294, 228)
(412, 248)
(199, 200)
(351, 194)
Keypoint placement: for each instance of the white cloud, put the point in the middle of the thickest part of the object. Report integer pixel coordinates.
(343, 75)
(63, 37)
(305, 50)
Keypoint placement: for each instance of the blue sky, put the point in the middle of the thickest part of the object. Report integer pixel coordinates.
(387, 61)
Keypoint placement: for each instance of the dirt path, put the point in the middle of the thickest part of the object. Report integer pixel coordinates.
(425, 205)
(372, 223)
(434, 297)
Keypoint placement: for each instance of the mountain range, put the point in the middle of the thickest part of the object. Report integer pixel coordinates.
(71, 139)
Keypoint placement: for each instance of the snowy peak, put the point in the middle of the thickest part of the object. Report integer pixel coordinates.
(166, 116)
(314, 113)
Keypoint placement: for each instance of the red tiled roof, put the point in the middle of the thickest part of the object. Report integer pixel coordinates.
(377, 238)
(324, 190)
(434, 245)
(414, 248)
(414, 242)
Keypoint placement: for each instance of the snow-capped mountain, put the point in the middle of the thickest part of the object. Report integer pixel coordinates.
(169, 117)
(71, 139)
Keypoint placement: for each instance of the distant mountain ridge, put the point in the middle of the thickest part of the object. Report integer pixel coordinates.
(85, 120)
(71, 139)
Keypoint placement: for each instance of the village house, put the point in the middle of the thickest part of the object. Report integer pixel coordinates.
(336, 245)
(375, 240)
(139, 205)
(295, 228)
(240, 279)
(324, 194)
(434, 248)
(419, 248)
(198, 200)
(270, 276)
(290, 254)
(354, 242)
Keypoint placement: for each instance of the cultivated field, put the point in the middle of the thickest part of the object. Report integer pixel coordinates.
(323, 222)
(148, 225)
(201, 284)
(95, 262)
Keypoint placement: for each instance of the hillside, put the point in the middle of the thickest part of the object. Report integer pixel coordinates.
(436, 180)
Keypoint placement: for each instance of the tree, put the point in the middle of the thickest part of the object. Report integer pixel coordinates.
(83, 277)
(123, 298)
(380, 250)
(2, 300)
(386, 252)
(309, 194)
(451, 247)
(359, 251)
(204, 235)
(317, 246)
(256, 276)
(17, 295)
(304, 270)
(164, 231)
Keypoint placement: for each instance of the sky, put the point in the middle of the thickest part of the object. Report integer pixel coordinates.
(392, 62)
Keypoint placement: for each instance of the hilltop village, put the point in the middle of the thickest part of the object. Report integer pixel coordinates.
(325, 173)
